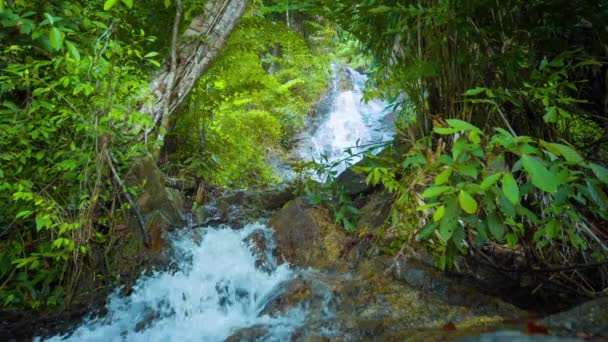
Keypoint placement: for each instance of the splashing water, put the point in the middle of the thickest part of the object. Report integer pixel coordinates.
(350, 123)
(215, 290)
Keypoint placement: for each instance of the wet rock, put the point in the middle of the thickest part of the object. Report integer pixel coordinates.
(375, 211)
(260, 246)
(360, 308)
(306, 236)
(353, 183)
(515, 336)
(183, 184)
(154, 195)
(254, 333)
(590, 318)
(454, 291)
(239, 207)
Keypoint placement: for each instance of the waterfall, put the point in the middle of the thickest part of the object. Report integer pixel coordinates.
(350, 124)
(215, 289)
(221, 279)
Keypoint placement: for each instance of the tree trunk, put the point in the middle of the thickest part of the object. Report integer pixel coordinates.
(197, 48)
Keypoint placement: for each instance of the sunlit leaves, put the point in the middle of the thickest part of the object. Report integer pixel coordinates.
(467, 202)
(109, 4)
(73, 50)
(510, 188)
(541, 177)
(56, 38)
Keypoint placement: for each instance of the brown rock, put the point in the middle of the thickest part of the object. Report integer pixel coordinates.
(307, 237)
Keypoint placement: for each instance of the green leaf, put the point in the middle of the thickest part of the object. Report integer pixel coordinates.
(151, 54)
(550, 115)
(167, 3)
(56, 38)
(475, 91)
(109, 4)
(426, 231)
(490, 181)
(496, 226)
(439, 213)
(444, 130)
(447, 227)
(49, 18)
(73, 50)
(435, 191)
(24, 213)
(600, 172)
(553, 228)
(129, 3)
(567, 152)
(462, 125)
(468, 170)
(444, 176)
(541, 177)
(474, 136)
(512, 240)
(467, 202)
(510, 188)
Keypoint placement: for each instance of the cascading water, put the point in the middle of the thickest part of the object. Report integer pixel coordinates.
(223, 282)
(216, 289)
(350, 123)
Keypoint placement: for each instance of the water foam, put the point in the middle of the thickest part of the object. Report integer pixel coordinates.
(215, 290)
(350, 124)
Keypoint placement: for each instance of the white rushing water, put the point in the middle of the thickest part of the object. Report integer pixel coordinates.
(350, 123)
(215, 290)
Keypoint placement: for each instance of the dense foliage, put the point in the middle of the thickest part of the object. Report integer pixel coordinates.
(503, 109)
(252, 102)
(527, 175)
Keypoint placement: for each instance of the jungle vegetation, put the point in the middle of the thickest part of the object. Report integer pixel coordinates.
(501, 144)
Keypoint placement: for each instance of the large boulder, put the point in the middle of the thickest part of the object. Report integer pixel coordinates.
(358, 292)
(237, 208)
(154, 196)
(307, 237)
(590, 319)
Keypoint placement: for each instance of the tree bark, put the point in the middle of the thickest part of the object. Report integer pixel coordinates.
(197, 48)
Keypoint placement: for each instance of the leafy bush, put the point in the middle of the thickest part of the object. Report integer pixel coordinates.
(501, 188)
(67, 89)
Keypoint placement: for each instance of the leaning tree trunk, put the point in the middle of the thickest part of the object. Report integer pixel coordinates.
(193, 54)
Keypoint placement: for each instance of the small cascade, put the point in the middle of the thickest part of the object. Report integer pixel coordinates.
(221, 284)
(349, 124)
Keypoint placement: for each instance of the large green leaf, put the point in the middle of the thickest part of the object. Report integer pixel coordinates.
(56, 38)
(600, 172)
(444, 176)
(496, 226)
(490, 180)
(129, 3)
(510, 188)
(109, 4)
(439, 213)
(467, 202)
(541, 177)
(565, 151)
(462, 125)
(435, 191)
(73, 50)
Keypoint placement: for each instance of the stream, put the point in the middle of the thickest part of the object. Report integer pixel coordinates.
(217, 285)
